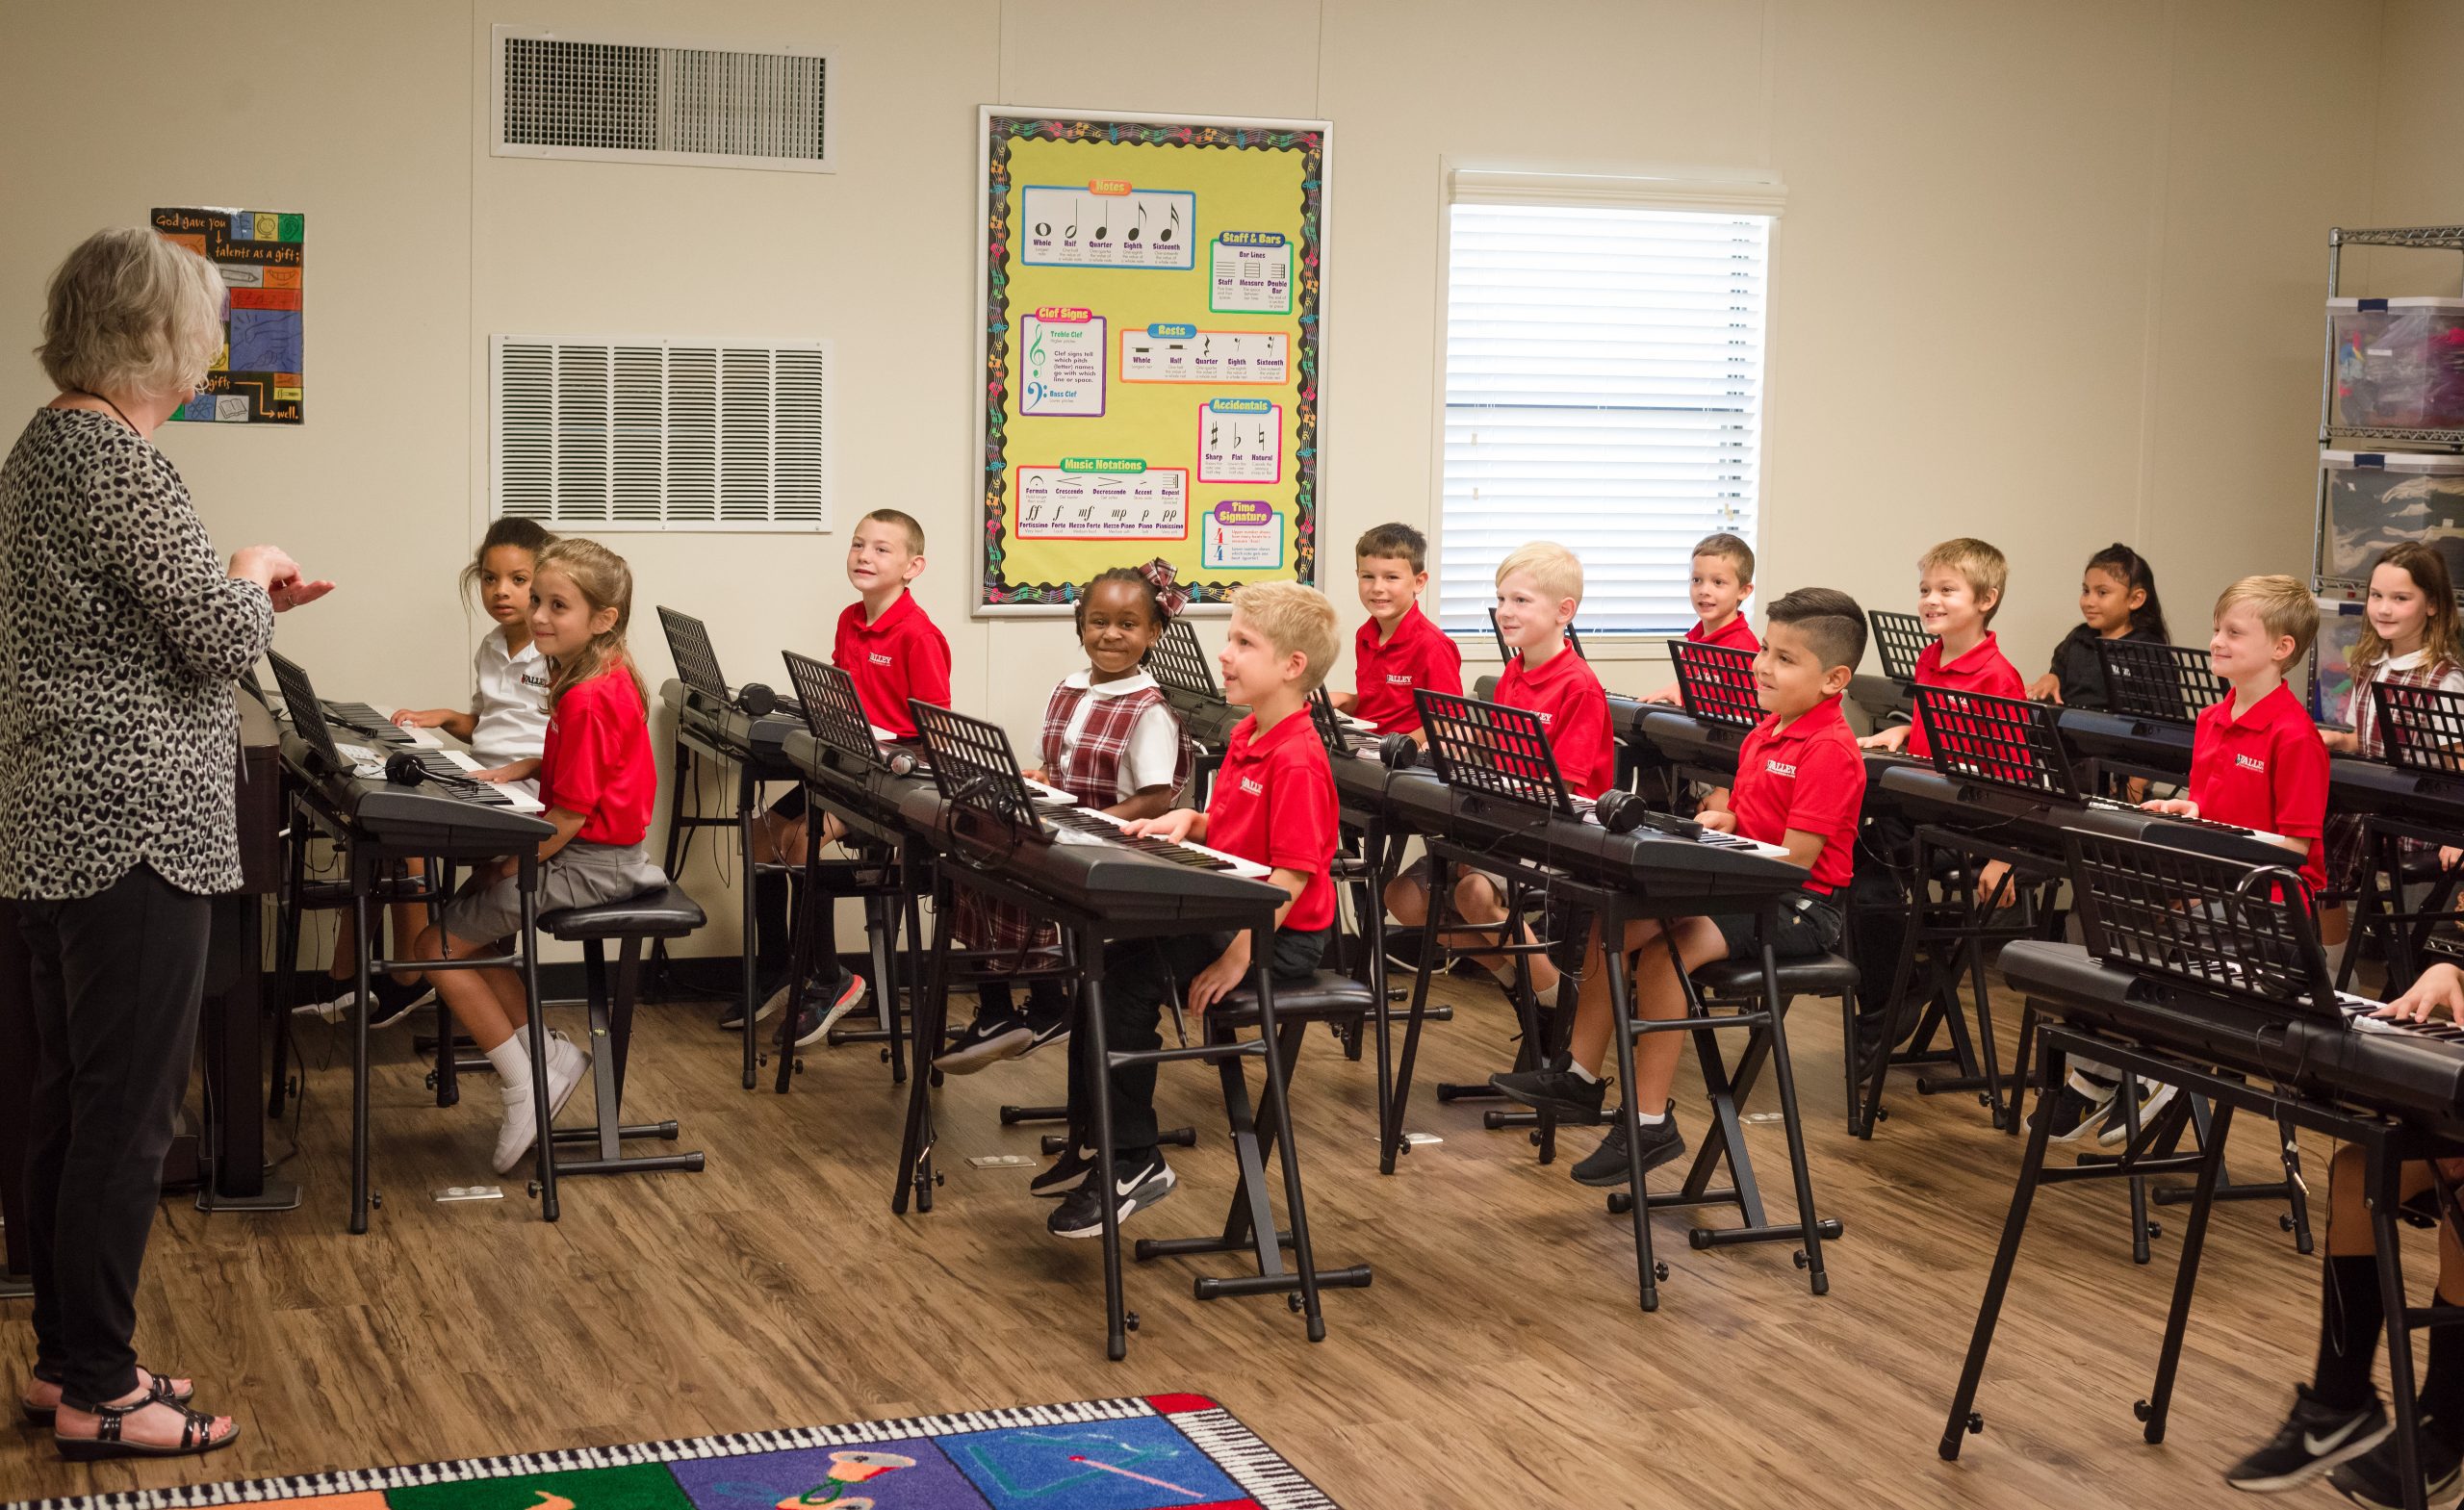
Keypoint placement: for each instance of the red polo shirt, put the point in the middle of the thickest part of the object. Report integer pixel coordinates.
(899, 656)
(2267, 770)
(1274, 803)
(1419, 655)
(1736, 632)
(597, 760)
(1574, 708)
(1810, 777)
(1982, 669)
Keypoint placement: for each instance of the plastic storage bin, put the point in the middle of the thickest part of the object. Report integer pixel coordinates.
(2399, 364)
(2374, 500)
(2340, 623)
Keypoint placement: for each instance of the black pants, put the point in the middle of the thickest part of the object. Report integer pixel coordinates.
(1139, 978)
(117, 981)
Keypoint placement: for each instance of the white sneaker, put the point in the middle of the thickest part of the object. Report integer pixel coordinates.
(566, 1065)
(2153, 1098)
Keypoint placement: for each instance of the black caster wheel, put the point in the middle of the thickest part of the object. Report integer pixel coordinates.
(1405, 1147)
(376, 1200)
(2284, 1221)
(1659, 1271)
(1291, 1303)
(1881, 1113)
(799, 1064)
(762, 1059)
(431, 1080)
(534, 1189)
(2142, 1409)
(1798, 1258)
(1129, 1321)
(1984, 1100)
(2155, 1230)
(1976, 1423)
(884, 1055)
(1533, 1138)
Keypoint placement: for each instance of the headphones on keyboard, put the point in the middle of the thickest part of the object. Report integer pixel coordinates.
(1398, 753)
(403, 769)
(1619, 810)
(755, 700)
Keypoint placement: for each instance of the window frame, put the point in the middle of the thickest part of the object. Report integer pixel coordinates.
(1704, 191)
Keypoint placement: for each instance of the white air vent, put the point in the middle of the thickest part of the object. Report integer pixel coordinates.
(659, 100)
(602, 433)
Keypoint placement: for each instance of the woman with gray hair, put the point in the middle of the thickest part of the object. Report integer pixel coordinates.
(120, 641)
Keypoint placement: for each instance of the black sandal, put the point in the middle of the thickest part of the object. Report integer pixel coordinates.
(196, 1434)
(161, 1390)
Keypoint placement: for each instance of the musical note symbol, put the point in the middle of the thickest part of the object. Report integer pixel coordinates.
(1207, 346)
(1141, 225)
(1044, 228)
(1071, 234)
(1166, 238)
(1101, 229)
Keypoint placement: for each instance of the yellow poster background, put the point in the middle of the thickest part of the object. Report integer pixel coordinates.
(1262, 179)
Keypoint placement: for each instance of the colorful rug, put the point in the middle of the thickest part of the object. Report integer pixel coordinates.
(1162, 1452)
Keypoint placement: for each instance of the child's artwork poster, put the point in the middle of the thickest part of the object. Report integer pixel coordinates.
(1152, 328)
(255, 379)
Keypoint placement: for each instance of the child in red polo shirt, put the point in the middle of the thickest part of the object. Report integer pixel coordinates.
(1723, 581)
(2257, 761)
(598, 779)
(1800, 784)
(1539, 588)
(891, 651)
(1959, 589)
(1398, 651)
(1273, 802)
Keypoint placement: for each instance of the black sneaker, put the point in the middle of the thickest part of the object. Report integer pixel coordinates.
(1604, 1167)
(812, 1023)
(1556, 1088)
(2078, 1109)
(989, 1039)
(1067, 1172)
(1048, 1022)
(2314, 1438)
(2370, 1477)
(1134, 1188)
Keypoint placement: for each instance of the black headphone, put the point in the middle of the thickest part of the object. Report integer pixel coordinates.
(403, 769)
(1620, 811)
(755, 700)
(1398, 751)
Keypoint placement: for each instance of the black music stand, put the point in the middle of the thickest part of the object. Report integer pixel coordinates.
(707, 704)
(2147, 679)
(2195, 927)
(368, 861)
(1900, 640)
(1716, 684)
(1178, 663)
(992, 819)
(2423, 731)
(889, 884)
(1499, 760)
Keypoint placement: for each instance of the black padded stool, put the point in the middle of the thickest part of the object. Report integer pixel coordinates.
(1831, 975)
(1327, 996)
(664, 913)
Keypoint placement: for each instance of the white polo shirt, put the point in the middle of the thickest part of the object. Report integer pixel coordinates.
(1154, 749)
(510, 701)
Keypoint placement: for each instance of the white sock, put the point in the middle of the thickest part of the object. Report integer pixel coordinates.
(1505, 970)
(2336, 956)
(1582, 1074)
(513, 1063)
(1652, 1118)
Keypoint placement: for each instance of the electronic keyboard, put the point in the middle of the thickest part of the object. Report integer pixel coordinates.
(2035, 820)
(460, 817)
(728, 731)
(2413, 1071)
(2358, 786)
(2150, 744)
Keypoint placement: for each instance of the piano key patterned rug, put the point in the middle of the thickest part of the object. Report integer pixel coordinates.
(1160, 1452)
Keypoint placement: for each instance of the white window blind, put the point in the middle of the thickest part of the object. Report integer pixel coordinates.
(602, 433)
(1603, 388)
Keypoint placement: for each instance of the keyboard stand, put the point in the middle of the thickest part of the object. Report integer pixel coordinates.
(2385, 1143)
(691, 749)
(2379, 908)
(370, 862)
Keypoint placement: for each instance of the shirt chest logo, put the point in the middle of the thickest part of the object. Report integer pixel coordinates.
(2250, 763)
(1399, 678)
(1252, 787)
(1546, 718)
(535, 679)
(1778, 768)
(878, 658)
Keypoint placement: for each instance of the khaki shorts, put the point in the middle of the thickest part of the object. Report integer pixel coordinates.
(582, 873)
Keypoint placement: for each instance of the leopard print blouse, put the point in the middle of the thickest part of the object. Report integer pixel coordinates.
(120, 635)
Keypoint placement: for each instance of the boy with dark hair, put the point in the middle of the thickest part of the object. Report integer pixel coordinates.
(1398, 650)
(1800, 784)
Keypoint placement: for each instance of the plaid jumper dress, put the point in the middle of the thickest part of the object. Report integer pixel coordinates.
(1091, 775)
(2345, 857)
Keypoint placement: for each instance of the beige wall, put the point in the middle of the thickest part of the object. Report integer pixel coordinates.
(2048, 273)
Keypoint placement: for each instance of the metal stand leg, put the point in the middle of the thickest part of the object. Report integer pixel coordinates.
(543, 1149)
(1391, 1141)
(1648, 1270)
(747, 795)
(1964, 1417)
(2153, 1409)
(360, 1195)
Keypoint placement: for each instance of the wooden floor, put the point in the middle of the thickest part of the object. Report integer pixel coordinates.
(1500, 1358)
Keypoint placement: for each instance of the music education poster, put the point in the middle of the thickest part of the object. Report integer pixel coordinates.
(255, 379)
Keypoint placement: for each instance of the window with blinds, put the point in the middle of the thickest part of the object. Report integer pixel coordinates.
(1603, 388)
